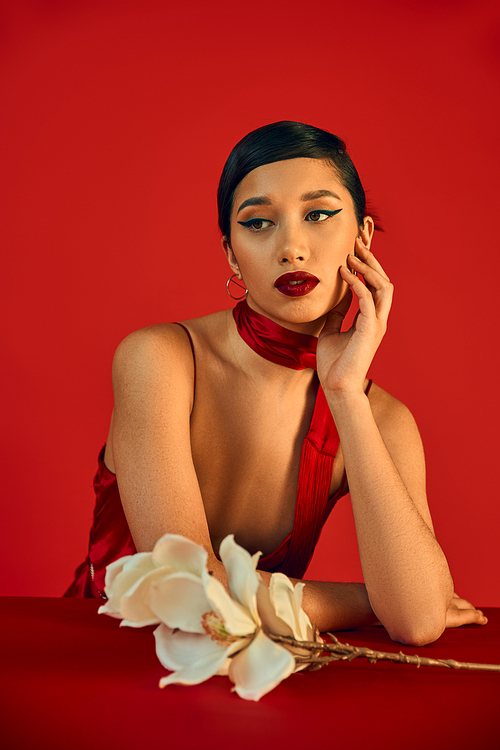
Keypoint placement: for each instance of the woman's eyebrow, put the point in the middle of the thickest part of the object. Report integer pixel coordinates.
(257, 201)
(319, 194)
(262, 200)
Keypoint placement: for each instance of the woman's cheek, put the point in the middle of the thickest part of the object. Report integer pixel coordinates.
(339, 291)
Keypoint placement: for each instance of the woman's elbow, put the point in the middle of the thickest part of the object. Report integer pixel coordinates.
(418, 634)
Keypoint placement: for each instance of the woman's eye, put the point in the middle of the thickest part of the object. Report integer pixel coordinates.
(318, 216)
(256, 224)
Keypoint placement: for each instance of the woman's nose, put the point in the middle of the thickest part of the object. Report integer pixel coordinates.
(292, 246)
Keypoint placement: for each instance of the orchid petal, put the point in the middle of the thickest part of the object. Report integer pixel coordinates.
(242, 577)
(287, 601)
(112, 571)
(304, 626)
(140, 624)
(179, 600)
(134, 604)
(134, 568)
(237, 620)
(195, 673)
(108, 609)
(270, 620)
(223, 670)
(141, 561)
(259, 668)
(177, 650)
(255, 559)
(180, 553)
(201, 656)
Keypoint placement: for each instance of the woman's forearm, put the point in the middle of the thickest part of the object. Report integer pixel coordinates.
(334, 606)
(337, 606)
(406, 574)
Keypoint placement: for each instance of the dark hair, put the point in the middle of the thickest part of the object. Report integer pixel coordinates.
(277, 142)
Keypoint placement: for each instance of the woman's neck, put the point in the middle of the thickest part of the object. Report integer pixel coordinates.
(309, 328)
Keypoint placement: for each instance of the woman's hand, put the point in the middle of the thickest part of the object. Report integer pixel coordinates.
(344, 358)
(461, 612)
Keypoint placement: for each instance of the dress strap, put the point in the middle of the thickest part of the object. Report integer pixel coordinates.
(192, 350)
(319, 450)
(315, 475)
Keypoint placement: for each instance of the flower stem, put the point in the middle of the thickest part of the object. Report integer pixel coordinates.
(337, 651)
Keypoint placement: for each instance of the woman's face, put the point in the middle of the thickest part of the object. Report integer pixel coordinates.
(293, 217)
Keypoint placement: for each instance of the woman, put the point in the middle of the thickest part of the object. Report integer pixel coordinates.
(223, 425)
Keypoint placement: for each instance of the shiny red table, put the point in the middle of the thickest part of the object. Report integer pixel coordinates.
(75, 680)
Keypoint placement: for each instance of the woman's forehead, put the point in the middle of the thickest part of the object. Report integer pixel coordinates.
(291, 178)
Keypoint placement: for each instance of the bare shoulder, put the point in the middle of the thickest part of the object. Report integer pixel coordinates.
(164, 344)
(389, 412)
(153, 374)
(402, 439)
(152, 345)
(158, 358)
(394, 420)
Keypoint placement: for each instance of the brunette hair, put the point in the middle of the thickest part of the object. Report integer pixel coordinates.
(286, 140)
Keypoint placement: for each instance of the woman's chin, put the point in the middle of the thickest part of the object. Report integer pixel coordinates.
(300, 314)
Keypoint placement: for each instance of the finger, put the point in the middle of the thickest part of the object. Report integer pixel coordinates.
(368, 257)
(374, 276)
(462, 603)
(337, 314)
(355, 282)
(357, 285)
(455, 618)
(373, 300)
(379, 286)
(375, 279)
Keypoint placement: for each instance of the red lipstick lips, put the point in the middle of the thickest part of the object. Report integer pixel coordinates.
(296, 284)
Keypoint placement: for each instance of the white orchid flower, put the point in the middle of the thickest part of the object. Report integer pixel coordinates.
(207, 631)
(204, 630)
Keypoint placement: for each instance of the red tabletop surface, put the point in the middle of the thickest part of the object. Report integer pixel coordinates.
(73, 679)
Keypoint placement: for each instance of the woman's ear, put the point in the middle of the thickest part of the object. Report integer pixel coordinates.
(366, 231)
(231, 257)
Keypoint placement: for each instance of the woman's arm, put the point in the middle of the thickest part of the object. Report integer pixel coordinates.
(406, 574)
(153, 385)
(407, 578)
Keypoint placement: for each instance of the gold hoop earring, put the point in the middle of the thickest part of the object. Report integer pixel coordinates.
(240, 286)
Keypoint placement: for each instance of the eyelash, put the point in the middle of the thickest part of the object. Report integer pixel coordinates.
(250, 222)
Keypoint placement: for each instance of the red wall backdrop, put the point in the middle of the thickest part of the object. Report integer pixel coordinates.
(117, 118)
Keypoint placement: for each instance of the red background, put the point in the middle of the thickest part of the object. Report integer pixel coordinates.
(117, 118)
